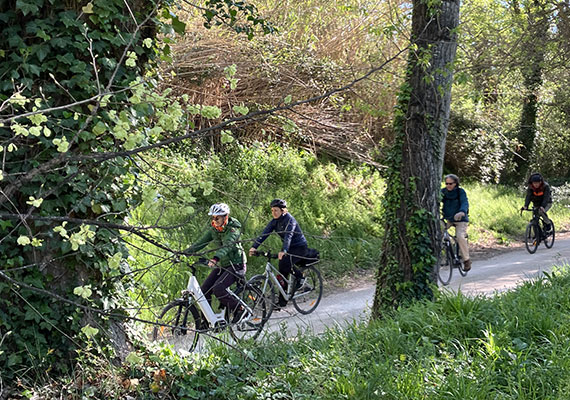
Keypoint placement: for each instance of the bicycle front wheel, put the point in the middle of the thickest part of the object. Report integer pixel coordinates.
(531, 238)
(549, 239)
(445, 265)
(178, 325)
(268, 290)
(250, 324)
(308, 295)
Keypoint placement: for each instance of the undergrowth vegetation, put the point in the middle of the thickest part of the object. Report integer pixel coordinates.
(514, 345)
(337, 205)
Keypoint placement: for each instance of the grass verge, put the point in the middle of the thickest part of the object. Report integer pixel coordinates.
(512, 346)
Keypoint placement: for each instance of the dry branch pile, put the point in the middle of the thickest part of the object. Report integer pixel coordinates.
(265, 78)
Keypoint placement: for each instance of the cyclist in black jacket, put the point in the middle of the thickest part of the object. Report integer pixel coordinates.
(538, 191)
(294, 247)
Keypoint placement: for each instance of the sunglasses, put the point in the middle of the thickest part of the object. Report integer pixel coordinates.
(449, 183)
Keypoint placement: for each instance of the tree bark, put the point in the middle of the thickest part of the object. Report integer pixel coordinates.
(414, 178)
(533, 55)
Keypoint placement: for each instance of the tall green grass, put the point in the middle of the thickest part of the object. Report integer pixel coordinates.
(511, 346)
(337, 205)
(338, 208)
(494, 212)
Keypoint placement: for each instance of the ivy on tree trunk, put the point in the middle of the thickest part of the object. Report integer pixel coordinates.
(415, 161)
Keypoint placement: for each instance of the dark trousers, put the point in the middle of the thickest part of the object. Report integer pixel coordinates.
(219, 280)
(293, 256)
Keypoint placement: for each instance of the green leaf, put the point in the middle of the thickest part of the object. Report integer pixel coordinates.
(88, 9)
(287, 99)
(226, 137)
(26, 7)
(83, 291)
(89, 331)
(178, 26)
(210, 112)
(134, 359)
(23, 240)
(243, 110)
(99, 128)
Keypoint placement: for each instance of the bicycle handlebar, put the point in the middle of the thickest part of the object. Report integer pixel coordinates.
(267, 254)
(531, 209)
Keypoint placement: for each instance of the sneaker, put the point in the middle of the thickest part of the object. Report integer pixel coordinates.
(281, 304)
(467, 265)
(301, 286)
(238, 313)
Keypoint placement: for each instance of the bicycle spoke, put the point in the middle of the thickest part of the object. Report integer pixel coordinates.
(179, 326)
(308, 295)
(251, 322)
(445, 266)
(532, 237)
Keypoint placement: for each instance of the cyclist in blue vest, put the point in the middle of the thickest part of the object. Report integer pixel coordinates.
(294, 247)
(456, 213)
(538, 191)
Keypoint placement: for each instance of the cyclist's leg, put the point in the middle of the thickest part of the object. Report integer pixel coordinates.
(285, 266)
(224, 281)
(461, 237)
(298, 258)
(544, 216)
(209, 283)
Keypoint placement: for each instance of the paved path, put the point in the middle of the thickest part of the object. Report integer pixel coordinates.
(496, 274)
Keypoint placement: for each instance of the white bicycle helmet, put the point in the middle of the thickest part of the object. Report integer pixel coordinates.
(219, 209)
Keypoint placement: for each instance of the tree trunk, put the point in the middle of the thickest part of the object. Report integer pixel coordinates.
(415, 162)
(533, 52)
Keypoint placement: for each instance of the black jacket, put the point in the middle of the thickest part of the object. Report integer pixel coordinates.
(287, 227)
(540, 197)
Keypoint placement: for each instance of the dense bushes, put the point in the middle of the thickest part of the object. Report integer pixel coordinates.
(338, 207)
(511, 346)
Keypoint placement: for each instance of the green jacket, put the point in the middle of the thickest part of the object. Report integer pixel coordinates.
(229, 249)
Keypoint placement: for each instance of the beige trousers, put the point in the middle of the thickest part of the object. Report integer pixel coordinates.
(461, 237)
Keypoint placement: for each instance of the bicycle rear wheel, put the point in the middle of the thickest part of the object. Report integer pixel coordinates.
(532, 238)
(308, 295)
(268, 290)
(445, 265)
(178, 325)
(251, 323)
(549, 237)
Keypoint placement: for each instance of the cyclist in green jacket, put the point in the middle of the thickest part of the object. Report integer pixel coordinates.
(229, 260)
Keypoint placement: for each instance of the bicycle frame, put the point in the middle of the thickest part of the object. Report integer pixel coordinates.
(194, 290)
(448, 241)
(271, 275)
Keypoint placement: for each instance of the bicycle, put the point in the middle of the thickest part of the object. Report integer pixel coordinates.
(181, 322)
(535, 232)
(449, 258)
(305, 294)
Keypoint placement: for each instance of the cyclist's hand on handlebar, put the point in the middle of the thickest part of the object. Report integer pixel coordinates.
(253, 251)
(213, 263)
(458, 216)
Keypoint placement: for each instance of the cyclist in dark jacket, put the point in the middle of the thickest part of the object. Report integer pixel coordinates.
(538, 191)
(456, 213)
(294, 247)
(229, 260)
